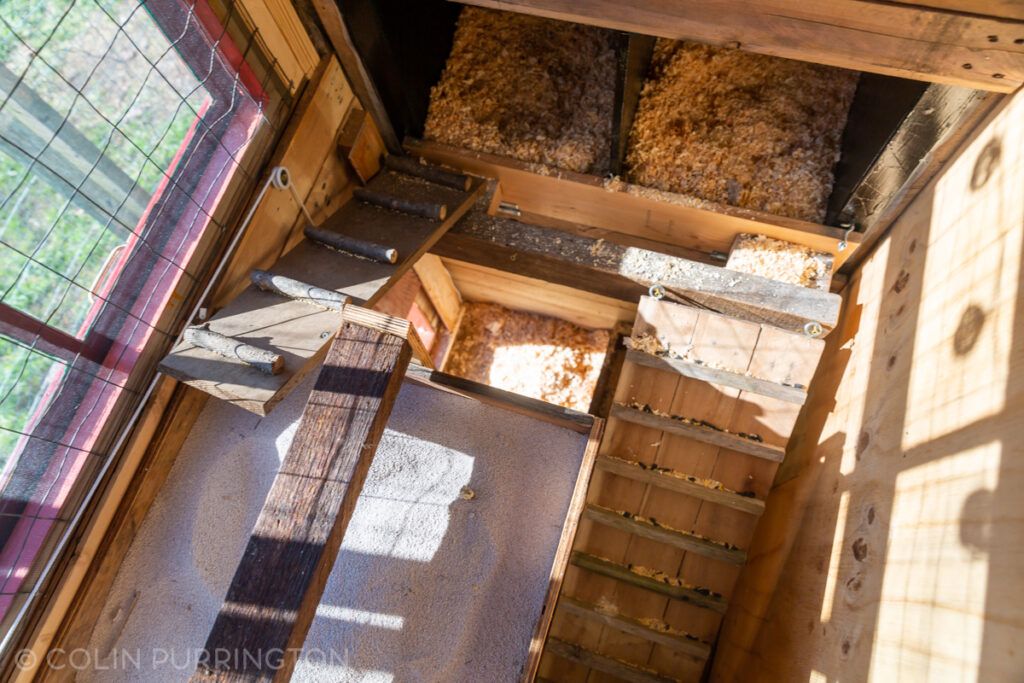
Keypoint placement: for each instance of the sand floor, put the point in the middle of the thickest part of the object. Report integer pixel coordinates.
(428, 586)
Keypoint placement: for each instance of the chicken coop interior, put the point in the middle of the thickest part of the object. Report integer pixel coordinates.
(517, 340)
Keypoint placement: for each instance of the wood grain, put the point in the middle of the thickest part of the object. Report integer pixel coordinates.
(279, 582)
(909, 42)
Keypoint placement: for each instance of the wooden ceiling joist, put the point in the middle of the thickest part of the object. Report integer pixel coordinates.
(922, 42)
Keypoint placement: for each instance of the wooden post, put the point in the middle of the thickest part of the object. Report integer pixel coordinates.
(280, 580)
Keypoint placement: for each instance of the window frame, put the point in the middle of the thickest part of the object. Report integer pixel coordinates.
(98, 348)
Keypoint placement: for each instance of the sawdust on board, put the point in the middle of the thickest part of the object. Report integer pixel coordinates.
(529, 354)
(780, 260)
(533, 89)
(741, 129)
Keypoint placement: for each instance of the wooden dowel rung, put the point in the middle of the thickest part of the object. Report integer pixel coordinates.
(429, 172)
(430, 210)
(668, 479)
(352, 245)
(265, 361)
(649, 529)
(299, 291)
(701, 597)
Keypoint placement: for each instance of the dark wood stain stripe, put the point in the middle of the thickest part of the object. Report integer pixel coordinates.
(279, 582)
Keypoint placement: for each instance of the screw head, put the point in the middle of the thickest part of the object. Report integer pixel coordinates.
(841, 246)
(813, 329)
(657, 291)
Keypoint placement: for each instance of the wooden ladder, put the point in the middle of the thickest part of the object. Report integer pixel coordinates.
(702, 413)
(405, 208)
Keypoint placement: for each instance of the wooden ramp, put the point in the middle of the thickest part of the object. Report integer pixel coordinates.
(299, 331)
(702, 413)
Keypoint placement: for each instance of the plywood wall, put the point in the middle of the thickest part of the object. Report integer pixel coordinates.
(907, 562)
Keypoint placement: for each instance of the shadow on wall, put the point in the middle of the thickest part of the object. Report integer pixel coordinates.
(907, 562)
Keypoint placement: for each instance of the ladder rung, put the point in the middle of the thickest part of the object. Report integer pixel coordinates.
(706, 373)
(676, 641)
(615, 667)
(639, 526)
(733, 442)
(674, 481)
(700, 597)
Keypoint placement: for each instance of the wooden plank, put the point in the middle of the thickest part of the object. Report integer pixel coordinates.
(337, 32)
(680, 539)
(863, 35)
(563, 551)
(360, 145)
(680, 642)
(695, 596)
(621, 670)
(299, 332)
(732, 442)
(705, 373)
(478, 283)
(612, 267)
(440, 287)
(651, 214)
(674, 481)
(278, 584)
(282, 38)
(906, 485)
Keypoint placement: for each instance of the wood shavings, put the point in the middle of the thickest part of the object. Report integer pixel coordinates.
(533, 355)
(466, 493)
(693, 422)
(533, 89)
(664, 578)
(741, 129)
(780, 260)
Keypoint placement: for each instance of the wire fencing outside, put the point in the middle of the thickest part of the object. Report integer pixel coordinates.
(127, 130)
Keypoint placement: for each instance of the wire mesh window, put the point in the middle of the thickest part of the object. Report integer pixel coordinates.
(124, 126)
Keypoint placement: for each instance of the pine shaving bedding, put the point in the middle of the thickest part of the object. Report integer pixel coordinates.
(533, 355)
(533, 89)
(742, 129)
(780, 260)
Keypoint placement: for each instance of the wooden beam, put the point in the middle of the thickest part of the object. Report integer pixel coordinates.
(727, 440)
(440, 289)
(642, 211)
(609, 268)
(910, 42)
(279, 582)
(705, 373)
(621, 670)
(337, 32)
(680, 483)
(678, 642)
(563, 551)
(649, 529)
(634, 57)
(689, 594)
